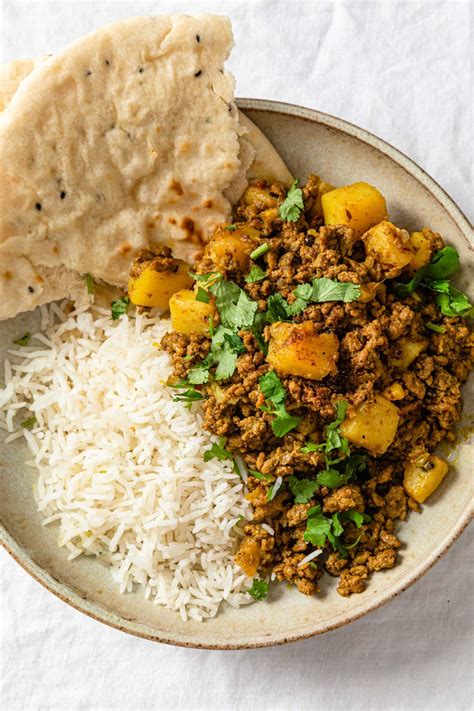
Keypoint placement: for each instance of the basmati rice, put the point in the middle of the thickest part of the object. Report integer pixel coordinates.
(120, 464)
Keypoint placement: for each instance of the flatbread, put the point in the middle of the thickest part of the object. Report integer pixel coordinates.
(127, 138)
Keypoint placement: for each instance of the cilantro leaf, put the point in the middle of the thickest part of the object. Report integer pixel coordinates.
(317, 527)
(259, 475)
(119, 307)
(302, 489)
(259, 589)
(24, 340)
(321, 290)
(454, 303)
(199, 374)
(257, 330)
(444, 264)
(434, 276)
(355, 516)
(313, 447)
(283, 422)
(293, 205)
(255, 274)
(272, 387)
(230, 228)
(202, 295)
(29, 423)
(218, 451)
(332, 478)
(337, 527)
(235, 308)
(277, 309)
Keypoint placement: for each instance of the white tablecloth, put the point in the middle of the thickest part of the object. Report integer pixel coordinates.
(401, 70)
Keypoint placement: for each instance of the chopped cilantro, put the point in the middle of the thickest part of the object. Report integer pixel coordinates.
(89, 284)
(313, 447)
(259, 589)
(230, 228)
(29, 423)
(259, 475)
(260, 251)
(317, 527)
(277, 309)
(434, 327)
(226, 346)
(257, 330)
(319, 291)
(293, 205)
(24, 340)
(274, 393)
(332, 478)
(235, 308)
(189, 394)
(202, 295)
(218, 451)
(302, 489)
(321, 528)
(255, 274)
(434, 276)
(119, 307)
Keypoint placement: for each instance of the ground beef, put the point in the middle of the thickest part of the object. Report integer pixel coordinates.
(366, 508)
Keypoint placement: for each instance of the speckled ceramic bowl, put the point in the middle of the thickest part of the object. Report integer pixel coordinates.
(342, 153)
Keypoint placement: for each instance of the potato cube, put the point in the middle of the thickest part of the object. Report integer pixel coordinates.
(231, 250)
(372, 425)
(358, 206)
(297, 349)
(191, 316)
(389, 246)
(409, 351)
(154, 288)
(254, 194)
(248, 556)
(423, 243)
(423, 476)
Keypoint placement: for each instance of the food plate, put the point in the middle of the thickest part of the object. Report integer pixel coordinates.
(342, 153)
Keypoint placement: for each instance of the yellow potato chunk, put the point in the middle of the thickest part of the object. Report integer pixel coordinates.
(358, 206)
(248, 556)
(191, 316)
(423, 245)
(297, 349)
(394, 392)
(323, 188)
(423, 476)
(409, 351)
(389, 245)
(373, 425)
(254, 194)
(154, 288)
(231, 250)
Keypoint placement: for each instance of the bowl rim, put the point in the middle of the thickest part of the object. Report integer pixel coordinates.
(101, 614)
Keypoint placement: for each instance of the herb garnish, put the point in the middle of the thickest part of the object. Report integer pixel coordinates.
(434, 327)
(321, 528)
(259, 475)
(259, 589)
(202, 295)
(24, 340)
(274, 393)
(255, 274)
(260, 251)
(189, 394)
(218, 451)
(302, 489)
(293, 205)
(29, 423)
(230, 228)
(434, 276)
(319, 291)
(89, 283)
(119, 307)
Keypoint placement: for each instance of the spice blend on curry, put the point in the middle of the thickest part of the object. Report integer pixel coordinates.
(328, 347)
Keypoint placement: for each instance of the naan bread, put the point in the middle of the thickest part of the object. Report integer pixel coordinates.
(127, 138)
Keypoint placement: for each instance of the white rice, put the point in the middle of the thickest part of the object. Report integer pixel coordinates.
(120, 465)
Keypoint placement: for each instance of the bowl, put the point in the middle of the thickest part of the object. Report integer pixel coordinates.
(308, 141)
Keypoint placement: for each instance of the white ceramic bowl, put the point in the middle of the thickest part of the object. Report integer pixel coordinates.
(341, 153)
